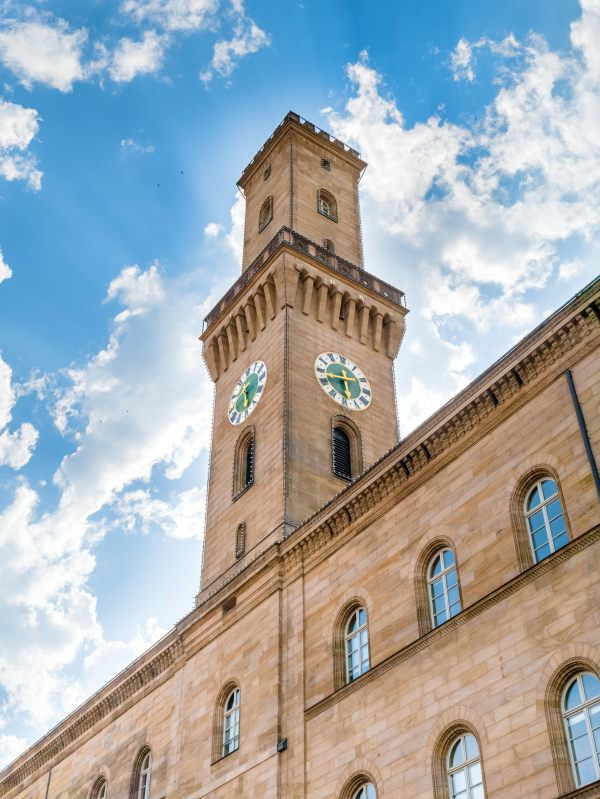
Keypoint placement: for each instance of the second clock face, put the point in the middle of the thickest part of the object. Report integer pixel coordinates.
(342, 380)
(247, 392)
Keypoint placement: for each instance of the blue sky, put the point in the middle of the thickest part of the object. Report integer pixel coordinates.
(123, 128)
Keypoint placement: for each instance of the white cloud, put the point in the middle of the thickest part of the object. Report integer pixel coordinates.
(132, 409)
(37, 52)
(18, 127)
(247, 38)
(11, 746)
(16, 447)
(5, 270)
(213, 230)
(488, 216)
(235, 237)
(134, 147)
(173, 15)
(462, 60)
(182, 517)
(132, 58)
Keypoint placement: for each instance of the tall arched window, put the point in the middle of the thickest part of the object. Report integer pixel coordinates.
(545, 519)
(442, 579)
(142, 775)
(356, 644)
(465, 779)
(243, 462)
(327, 205)
(231, 722)
(265, 214)
(581, 714)
(342, 458)
(366, 791)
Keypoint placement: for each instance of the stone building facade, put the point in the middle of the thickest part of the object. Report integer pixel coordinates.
(377, 619)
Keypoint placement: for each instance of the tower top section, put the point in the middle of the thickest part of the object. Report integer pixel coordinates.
(306, 180)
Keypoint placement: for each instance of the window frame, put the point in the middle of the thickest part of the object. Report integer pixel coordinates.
(520, 528)
(464, 766)
(442, 576)
(142, 769)
(219, 720)
(325, 199)
(583, 707)
(99, 788)
(543, 508)
(228, 714)
(351, 429)
(357, 634)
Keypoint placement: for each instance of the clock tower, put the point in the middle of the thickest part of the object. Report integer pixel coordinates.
(300, 349)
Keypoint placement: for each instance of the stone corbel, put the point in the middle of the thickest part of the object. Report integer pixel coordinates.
(395, 331)
(241, 331)
(335, 309)
(250, 320)
(309, 281)
(231, 342)
(322, 303)
(377, 328)
(212, 359)
(363, 323)
(350, 309)
(223, 349)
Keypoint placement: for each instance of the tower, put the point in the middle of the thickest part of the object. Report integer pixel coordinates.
(300, 349)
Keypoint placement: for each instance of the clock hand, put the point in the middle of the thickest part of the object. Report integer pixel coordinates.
(340, 377)
(245, 389)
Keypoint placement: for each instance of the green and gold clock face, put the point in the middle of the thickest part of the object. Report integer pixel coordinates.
(247, 392)
(342, 380)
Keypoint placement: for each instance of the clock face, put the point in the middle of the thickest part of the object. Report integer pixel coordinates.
(247, 392)
(342, 380)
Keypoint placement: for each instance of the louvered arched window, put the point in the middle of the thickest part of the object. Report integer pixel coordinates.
(342, 455)
(243, 462)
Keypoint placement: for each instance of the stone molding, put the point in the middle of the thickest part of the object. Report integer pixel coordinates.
(508, 589)
(93, 711)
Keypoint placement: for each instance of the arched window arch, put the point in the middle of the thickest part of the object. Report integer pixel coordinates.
(142, 773)
(266, 213)
(545, 518)
(443, 589)
(581, 717)
(346, 448)
(359, 786)
(327, 204)
(99, 789)
(463, 768)
(243, 462)
(226, 728)
(538, 514)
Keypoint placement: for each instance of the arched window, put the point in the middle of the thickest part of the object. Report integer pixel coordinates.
(243, 462)
(545, 519)
(342, 460)
(142, 773)
(231, 722)
(266, 213)
(444, 596)
(465, 779)
(100, 789)
(581, 714)
(356, 644)
(327, 205)
(366, 791)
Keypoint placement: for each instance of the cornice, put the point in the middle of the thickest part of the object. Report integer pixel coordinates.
(507, 385)
(132, 682)
(579, 544)
(293, 121)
